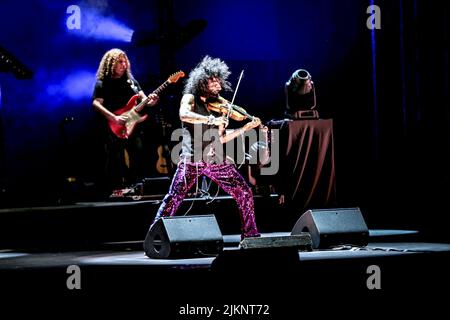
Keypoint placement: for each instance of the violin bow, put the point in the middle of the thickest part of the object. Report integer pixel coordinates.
(234, 95)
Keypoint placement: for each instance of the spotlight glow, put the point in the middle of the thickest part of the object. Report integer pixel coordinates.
(95, 25)
(71, 87)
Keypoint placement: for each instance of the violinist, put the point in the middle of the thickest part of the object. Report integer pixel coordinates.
(204, 116)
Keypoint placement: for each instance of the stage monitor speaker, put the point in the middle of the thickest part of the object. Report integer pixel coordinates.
(333, 227)
(184, 236)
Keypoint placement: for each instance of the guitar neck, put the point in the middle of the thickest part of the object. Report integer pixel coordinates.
(161, 87)
(158, 90)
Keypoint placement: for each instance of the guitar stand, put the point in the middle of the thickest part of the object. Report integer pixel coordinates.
(147, 188)
(204, 189)
(135, 190)
(203, 194)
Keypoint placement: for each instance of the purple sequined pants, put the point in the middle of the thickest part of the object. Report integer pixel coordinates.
(226, 176)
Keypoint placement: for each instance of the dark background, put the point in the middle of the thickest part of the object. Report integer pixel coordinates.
(387, 89)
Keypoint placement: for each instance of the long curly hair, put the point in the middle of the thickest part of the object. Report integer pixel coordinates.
(106, 67)
(197, 81)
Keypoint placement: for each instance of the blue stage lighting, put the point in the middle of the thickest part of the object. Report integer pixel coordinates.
(95, 25)
(75, 86)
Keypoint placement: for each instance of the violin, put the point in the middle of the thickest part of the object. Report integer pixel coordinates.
(223, 106)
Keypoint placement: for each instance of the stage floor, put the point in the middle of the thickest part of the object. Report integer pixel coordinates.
(131, 254)
(103, 241)
(120, 279)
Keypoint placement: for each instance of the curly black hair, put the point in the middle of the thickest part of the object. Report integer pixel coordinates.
(197, 81)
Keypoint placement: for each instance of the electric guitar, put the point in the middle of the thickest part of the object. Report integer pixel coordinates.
(132, 109)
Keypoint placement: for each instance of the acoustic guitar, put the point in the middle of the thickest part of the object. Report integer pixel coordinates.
(132, 109)
(163, 159)
(163, 164)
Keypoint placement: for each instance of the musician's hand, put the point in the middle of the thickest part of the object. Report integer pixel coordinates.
(253, 124)
(153, 99)
(221, 121)
(120, 120)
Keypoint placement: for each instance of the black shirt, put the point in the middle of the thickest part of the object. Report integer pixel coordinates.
(116, 92)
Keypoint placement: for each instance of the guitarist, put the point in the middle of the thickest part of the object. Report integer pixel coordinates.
(114, 87)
